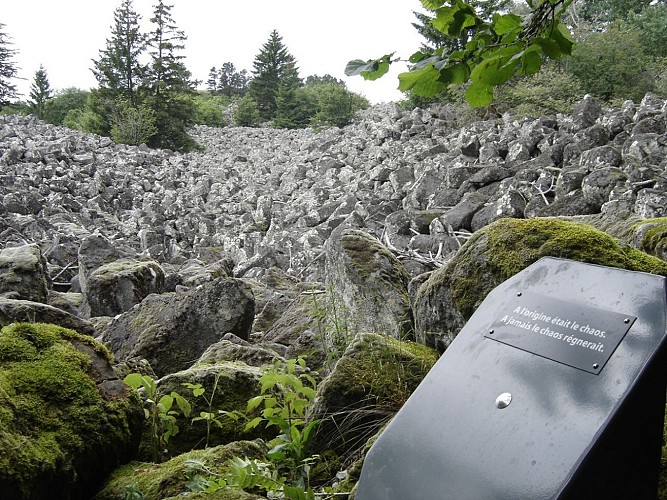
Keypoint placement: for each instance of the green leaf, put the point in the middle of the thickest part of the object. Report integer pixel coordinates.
(562, 36)
(415, 58)
(308, 431)
(254, 403)
(423, 82)
(371, 69)
(495, 71)
(276, 453)
(197, 389)
(357, 66)
(505, 23)
(134, 380)
(298, 493)
(383, 69)
(531, 62)
(183, 404)
(453, 20)
(479, 94)
(455, 74)
(432, 4)
(150, 385)
(166, 401)
(549, 47)
(253, 423)
(444, 20)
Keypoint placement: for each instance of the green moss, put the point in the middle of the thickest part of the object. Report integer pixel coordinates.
(654, 240)
(40, 337)
(55, 423)
(371, 259)
(368, 385)
(166, 480)
(662, 480)
(501, 250)
(388, 370)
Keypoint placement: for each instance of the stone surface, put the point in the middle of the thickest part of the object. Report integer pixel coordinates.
(371, 282)
(115, 287)
(173, 330)
(23, 273)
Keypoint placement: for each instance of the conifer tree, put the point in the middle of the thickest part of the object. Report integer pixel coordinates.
(40, 92)
(119, 71)
(272, 65)
(169, 82)
(294, 109)
(212, 82)
(8, 69)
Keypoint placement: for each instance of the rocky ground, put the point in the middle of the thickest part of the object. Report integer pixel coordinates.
(269, 244)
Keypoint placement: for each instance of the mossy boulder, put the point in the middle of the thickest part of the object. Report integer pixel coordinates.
(299, 329)
(662, 481)
(449, 297)
(115, 287)
(229, 386)
(172, 330)
(250, 354)
(168, 480)
(367, 386)
(66, 421)
(371, 282)
(23, 273)
(650, 236)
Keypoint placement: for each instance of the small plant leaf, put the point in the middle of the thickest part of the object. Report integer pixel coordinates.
(253, 423)
(254, 403)
(134, 380)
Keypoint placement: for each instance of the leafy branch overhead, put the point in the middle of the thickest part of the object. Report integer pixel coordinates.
(505, 45)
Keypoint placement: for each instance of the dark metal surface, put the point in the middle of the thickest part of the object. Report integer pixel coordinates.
(562, 432)
(569, 332)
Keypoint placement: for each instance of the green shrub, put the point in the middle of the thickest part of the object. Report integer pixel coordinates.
(246, 113)
(210, 110)
(614, 64)
(57, 108)
(132, 124)
(548, 92)
(335, 104)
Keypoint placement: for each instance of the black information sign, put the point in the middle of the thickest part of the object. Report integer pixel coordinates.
(573, 334)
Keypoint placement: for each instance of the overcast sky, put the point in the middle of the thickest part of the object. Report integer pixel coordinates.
(65, 35)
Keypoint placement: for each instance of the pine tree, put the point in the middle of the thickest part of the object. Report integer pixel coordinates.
(8, 69)
(212, 82)
(294, 109)
(40, 92)
(169, 82)
(272, 65)
(119, 71)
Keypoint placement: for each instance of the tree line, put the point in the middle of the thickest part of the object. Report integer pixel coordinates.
(146, 94)
(534, 57)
